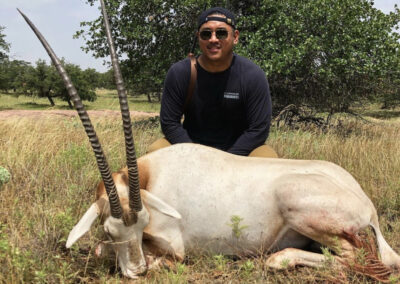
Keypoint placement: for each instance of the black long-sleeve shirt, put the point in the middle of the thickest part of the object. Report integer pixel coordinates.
(229, 110)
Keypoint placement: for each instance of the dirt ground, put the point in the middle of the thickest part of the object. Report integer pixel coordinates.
(69, 113)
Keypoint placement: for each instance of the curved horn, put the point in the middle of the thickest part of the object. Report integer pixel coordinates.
(116, 209)
(135, 202)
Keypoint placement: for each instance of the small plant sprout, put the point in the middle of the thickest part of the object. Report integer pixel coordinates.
(237, 228)
(337, 245)
(4, 176)
(394, 279)
(178, 276)
(180, 268)
(247, 268)
(329, 258)
(285, 263)
(220, 261)
(361, 256)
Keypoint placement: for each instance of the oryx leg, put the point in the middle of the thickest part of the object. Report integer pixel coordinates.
(163, 235)
(317, 208)
(291, 257)
(162, 248)
(164, 244)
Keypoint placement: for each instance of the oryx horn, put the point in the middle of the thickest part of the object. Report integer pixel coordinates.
(135, 202)
(115, 206)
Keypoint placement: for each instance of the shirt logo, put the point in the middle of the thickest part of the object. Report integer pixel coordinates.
(234, 96)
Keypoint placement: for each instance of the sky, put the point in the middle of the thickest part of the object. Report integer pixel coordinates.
(58, 20)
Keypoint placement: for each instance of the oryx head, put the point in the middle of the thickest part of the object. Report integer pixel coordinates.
(121, 209)
(124, 234)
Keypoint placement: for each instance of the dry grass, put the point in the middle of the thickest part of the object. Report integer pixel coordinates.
(54, 174)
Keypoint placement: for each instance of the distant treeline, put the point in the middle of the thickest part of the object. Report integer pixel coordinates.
(42, 80)
(325, 54)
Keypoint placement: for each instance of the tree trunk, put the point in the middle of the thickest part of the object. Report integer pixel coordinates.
(50, 100)
(70, 104)
(149, 97)
(159, 96)
(385, 105)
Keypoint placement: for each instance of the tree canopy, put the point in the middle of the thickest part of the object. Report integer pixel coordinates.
(4, 46)
(328, 54)
(324, 53)
(44, 81)
(12, 74)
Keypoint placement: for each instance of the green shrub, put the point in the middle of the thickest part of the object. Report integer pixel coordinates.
(4, 176)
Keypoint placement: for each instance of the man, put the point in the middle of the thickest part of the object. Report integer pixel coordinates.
(230, 108)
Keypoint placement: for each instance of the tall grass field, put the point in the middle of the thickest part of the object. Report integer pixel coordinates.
(54, 175)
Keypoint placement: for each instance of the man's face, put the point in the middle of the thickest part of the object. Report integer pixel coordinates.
(214, 49)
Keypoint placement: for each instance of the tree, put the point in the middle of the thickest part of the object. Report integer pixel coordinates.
(26, 80)
(152, 35)
(327, 54)
(106, 80)
(4, 46)
(16, 73)
(4, 49)
(324, 53)
(92, 77)
(44, 81)
(79, 78)
(4, 78)
(12, 74)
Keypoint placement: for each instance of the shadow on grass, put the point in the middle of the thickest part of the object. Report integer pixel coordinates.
(32, 105)
(12, 94)
(383, 114)
(39, 106)
(66, 107)
(140, 100)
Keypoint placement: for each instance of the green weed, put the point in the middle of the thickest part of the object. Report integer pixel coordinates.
(247, 268)
(220, 262)
(285, 263)
(4, 176)
(329, 258)
(237, 228)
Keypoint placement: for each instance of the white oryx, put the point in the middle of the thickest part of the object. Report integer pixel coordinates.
(183, 197)
(192, 191)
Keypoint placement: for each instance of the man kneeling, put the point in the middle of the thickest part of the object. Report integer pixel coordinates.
(229, 107)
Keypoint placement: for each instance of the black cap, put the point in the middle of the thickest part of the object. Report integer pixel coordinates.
(230, 17)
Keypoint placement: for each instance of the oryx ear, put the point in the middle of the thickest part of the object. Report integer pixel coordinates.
(83, 225)
(156, 203)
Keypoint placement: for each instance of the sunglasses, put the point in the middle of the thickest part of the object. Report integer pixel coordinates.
(219, 34)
